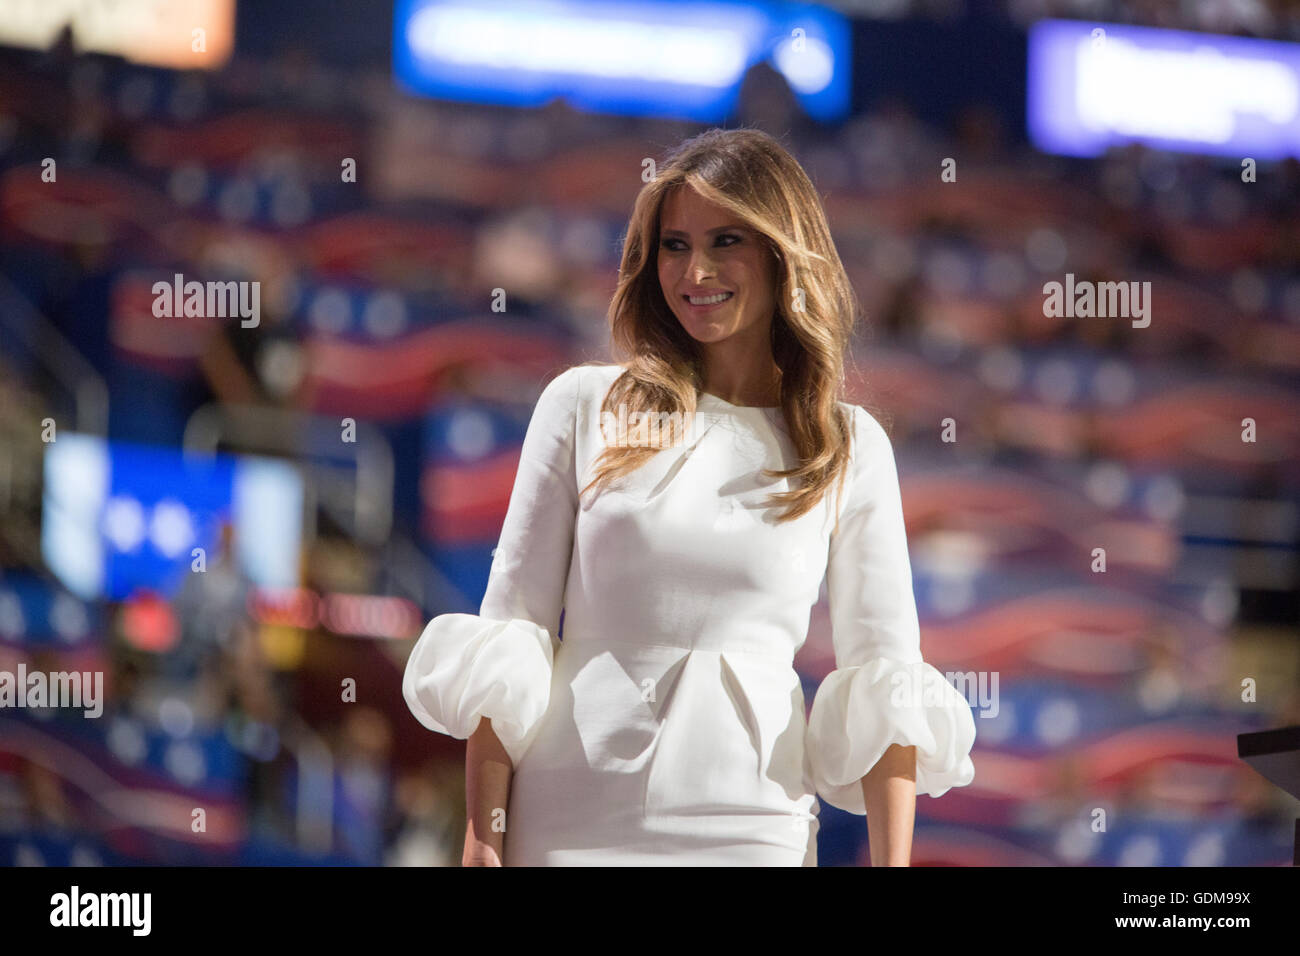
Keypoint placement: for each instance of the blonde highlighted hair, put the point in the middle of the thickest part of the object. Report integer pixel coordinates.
(752, 176)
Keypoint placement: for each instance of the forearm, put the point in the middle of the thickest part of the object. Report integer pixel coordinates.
(889, 790)
(487, 789)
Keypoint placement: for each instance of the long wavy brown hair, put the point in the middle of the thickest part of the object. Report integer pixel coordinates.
(751, 175)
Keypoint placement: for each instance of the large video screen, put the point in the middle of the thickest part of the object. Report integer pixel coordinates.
(674, 59)
(118, 517)
(1092, 86)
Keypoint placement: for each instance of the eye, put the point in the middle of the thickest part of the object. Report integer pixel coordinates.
(724, 240)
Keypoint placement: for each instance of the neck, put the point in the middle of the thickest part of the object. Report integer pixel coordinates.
(743, 372)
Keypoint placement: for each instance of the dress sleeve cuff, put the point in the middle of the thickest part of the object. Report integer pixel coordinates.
(465, 667)
(860, 711)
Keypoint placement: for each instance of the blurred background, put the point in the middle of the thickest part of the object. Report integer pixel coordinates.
(244, 527)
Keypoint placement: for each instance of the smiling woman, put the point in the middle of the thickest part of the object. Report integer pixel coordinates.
(668, 727)
(719, 277)
(733, 212)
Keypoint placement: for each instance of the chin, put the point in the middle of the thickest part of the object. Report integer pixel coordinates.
(703, 330)
(706, 334)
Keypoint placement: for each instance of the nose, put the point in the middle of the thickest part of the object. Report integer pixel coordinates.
(701, 266)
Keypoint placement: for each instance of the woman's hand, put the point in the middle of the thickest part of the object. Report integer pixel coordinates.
(479, 853)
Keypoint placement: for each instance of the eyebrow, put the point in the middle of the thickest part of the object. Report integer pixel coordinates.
(678, 232)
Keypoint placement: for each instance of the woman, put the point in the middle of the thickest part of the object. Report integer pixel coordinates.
(668, 727)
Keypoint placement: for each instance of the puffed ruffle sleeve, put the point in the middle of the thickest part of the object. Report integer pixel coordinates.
(881, 692)
(498, 663)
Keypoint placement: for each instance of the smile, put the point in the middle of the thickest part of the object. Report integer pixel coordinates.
(708, 299)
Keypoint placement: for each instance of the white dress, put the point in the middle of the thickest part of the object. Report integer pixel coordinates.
(668, 726)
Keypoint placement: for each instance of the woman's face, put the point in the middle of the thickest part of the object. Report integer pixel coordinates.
(703, 253)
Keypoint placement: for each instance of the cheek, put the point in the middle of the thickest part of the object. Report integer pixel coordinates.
(665, 272)
(770, 280)
(758, 281)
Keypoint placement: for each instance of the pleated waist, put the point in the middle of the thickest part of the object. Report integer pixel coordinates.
(695, 729)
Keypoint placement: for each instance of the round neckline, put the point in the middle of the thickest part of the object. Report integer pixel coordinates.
(723, 401)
